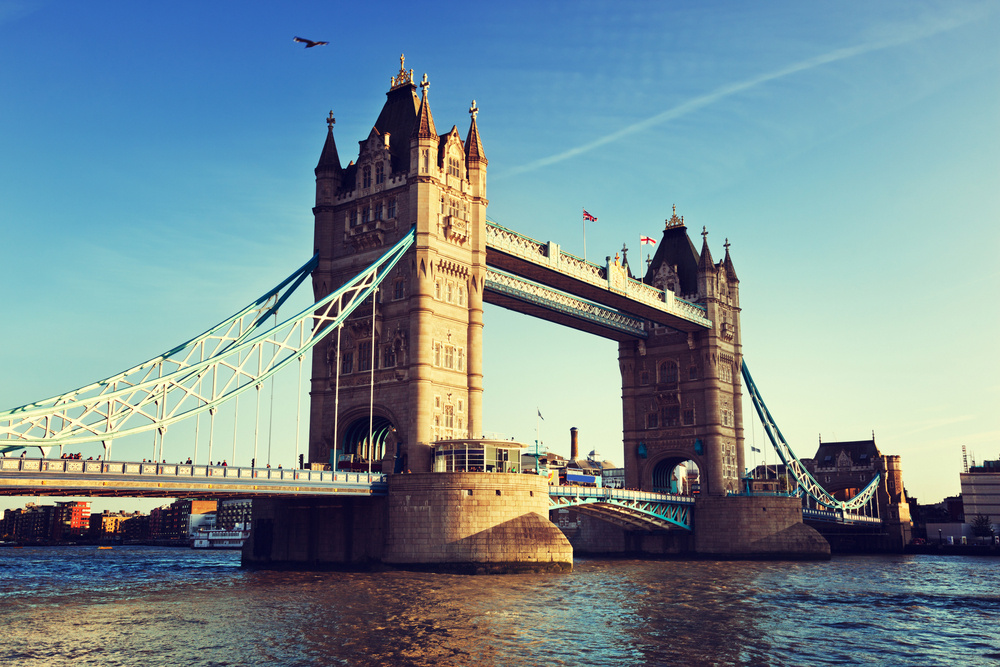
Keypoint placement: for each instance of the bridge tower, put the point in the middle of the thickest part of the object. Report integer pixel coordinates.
(428, 314)
(681, 392)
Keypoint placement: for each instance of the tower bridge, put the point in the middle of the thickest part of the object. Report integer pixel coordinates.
(405, 258)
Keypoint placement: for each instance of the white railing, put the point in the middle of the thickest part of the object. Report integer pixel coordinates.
(184, 471)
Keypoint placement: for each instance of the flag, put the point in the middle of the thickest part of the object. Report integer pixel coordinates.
(645, 240)
(754, 449)
(587, 216)
(540, 414)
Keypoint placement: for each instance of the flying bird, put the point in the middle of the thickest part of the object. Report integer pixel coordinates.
(308, 42)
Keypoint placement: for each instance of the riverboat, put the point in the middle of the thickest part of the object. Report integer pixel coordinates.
(220, 538)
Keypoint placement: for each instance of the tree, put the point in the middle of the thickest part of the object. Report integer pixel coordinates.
(981, 526)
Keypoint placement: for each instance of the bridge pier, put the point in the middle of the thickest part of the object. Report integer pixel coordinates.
(755, 527)
(455, 522)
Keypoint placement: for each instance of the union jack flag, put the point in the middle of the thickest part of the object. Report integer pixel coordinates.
(587, 216)
(645, 240)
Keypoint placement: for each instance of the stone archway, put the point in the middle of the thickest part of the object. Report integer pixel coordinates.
(676, 474)
(356, 451)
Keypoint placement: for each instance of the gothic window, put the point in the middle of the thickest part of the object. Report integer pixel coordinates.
(444, 207)
(347, 363)
(449, 416)
(398, 290)
(378, 210)
(353, 216)
(668, 373)
(453, 167)
(437, 290)
(450, 292)
(461, 295)
(437, 354)
(693, 373)
(365, 356)
(461, 405)
(652, 420)
(689, 417)
(461, 359)
(426, 159)
(379, 173)
(366, 176)
(391, 213)
(388, 357)
(449, 356)
(366, 214)
(437, 402)
(643, 378)
(672, 415)
(453, 207)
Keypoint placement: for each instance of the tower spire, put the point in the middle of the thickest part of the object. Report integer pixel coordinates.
(424, 127)
(474, 152)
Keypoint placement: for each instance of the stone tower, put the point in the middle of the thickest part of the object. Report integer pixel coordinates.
(681, 392)
(428, 313)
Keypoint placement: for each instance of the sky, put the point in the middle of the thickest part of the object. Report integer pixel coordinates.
(157, 176)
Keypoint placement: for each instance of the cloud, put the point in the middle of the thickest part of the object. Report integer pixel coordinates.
(899, 37)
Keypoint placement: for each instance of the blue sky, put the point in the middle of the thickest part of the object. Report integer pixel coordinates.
(158, 175)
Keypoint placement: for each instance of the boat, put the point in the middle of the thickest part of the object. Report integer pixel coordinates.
(220, 538)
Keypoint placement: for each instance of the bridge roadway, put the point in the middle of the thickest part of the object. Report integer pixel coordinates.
(75, 477)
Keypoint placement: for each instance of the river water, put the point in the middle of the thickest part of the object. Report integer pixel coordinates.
(136, 606)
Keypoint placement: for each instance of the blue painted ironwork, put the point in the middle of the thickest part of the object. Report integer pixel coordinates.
(807, 484)
(635, 509)
(542, 296)
(232, 357)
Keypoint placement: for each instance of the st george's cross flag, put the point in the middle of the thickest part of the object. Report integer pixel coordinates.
(587, 216)
(645, 240)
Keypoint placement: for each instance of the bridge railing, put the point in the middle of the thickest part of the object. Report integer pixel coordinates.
(838, 516)
(620, 494)
(183, 470)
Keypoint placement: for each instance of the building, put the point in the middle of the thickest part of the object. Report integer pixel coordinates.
(981, 493)
(681, 390)
(234, 512)
(108, 525)
(420, 338)
(70, 520)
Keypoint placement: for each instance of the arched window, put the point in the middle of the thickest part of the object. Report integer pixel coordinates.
(668, 373)
(391, 213)
(379, 173)
(366, 176)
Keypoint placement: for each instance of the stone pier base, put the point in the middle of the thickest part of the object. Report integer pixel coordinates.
(755, 527)
(456, 522)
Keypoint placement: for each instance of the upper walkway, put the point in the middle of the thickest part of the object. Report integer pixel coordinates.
(609, 285)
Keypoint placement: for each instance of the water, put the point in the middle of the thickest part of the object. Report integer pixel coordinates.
(148, 606)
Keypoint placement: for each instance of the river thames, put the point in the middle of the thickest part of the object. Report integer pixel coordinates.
(135, 606)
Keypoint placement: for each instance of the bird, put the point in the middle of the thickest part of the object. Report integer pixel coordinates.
(308, 42)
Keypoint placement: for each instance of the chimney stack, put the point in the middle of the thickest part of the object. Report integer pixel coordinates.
(572, 444)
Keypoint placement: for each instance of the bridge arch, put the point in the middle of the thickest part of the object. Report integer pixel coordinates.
(354, 445)
(669, 473)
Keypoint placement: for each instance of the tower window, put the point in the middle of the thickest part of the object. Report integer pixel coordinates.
(388, 357)
(437, 290)
(379, 173)
(453, 167)
(668, 373)
(347, 363)
(689, 417)
(378, 210)
(461, 295)
(450, 292)
(366, 176)
(391, 213)
(643, 378)
(398, 290)
(365, 356)
(366, 214)
(449, 356)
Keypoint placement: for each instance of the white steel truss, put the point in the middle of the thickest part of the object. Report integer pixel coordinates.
(236, 355)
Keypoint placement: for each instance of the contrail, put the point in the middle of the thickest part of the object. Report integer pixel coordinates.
(734, 88)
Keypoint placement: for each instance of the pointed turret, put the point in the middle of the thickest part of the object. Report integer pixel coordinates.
(329, 160)
(705, 262)
(675, 264)
(728, 264)
(424, 127)
(474, 153)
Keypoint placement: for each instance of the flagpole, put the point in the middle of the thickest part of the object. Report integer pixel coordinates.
(642, 277)
(584, 234)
